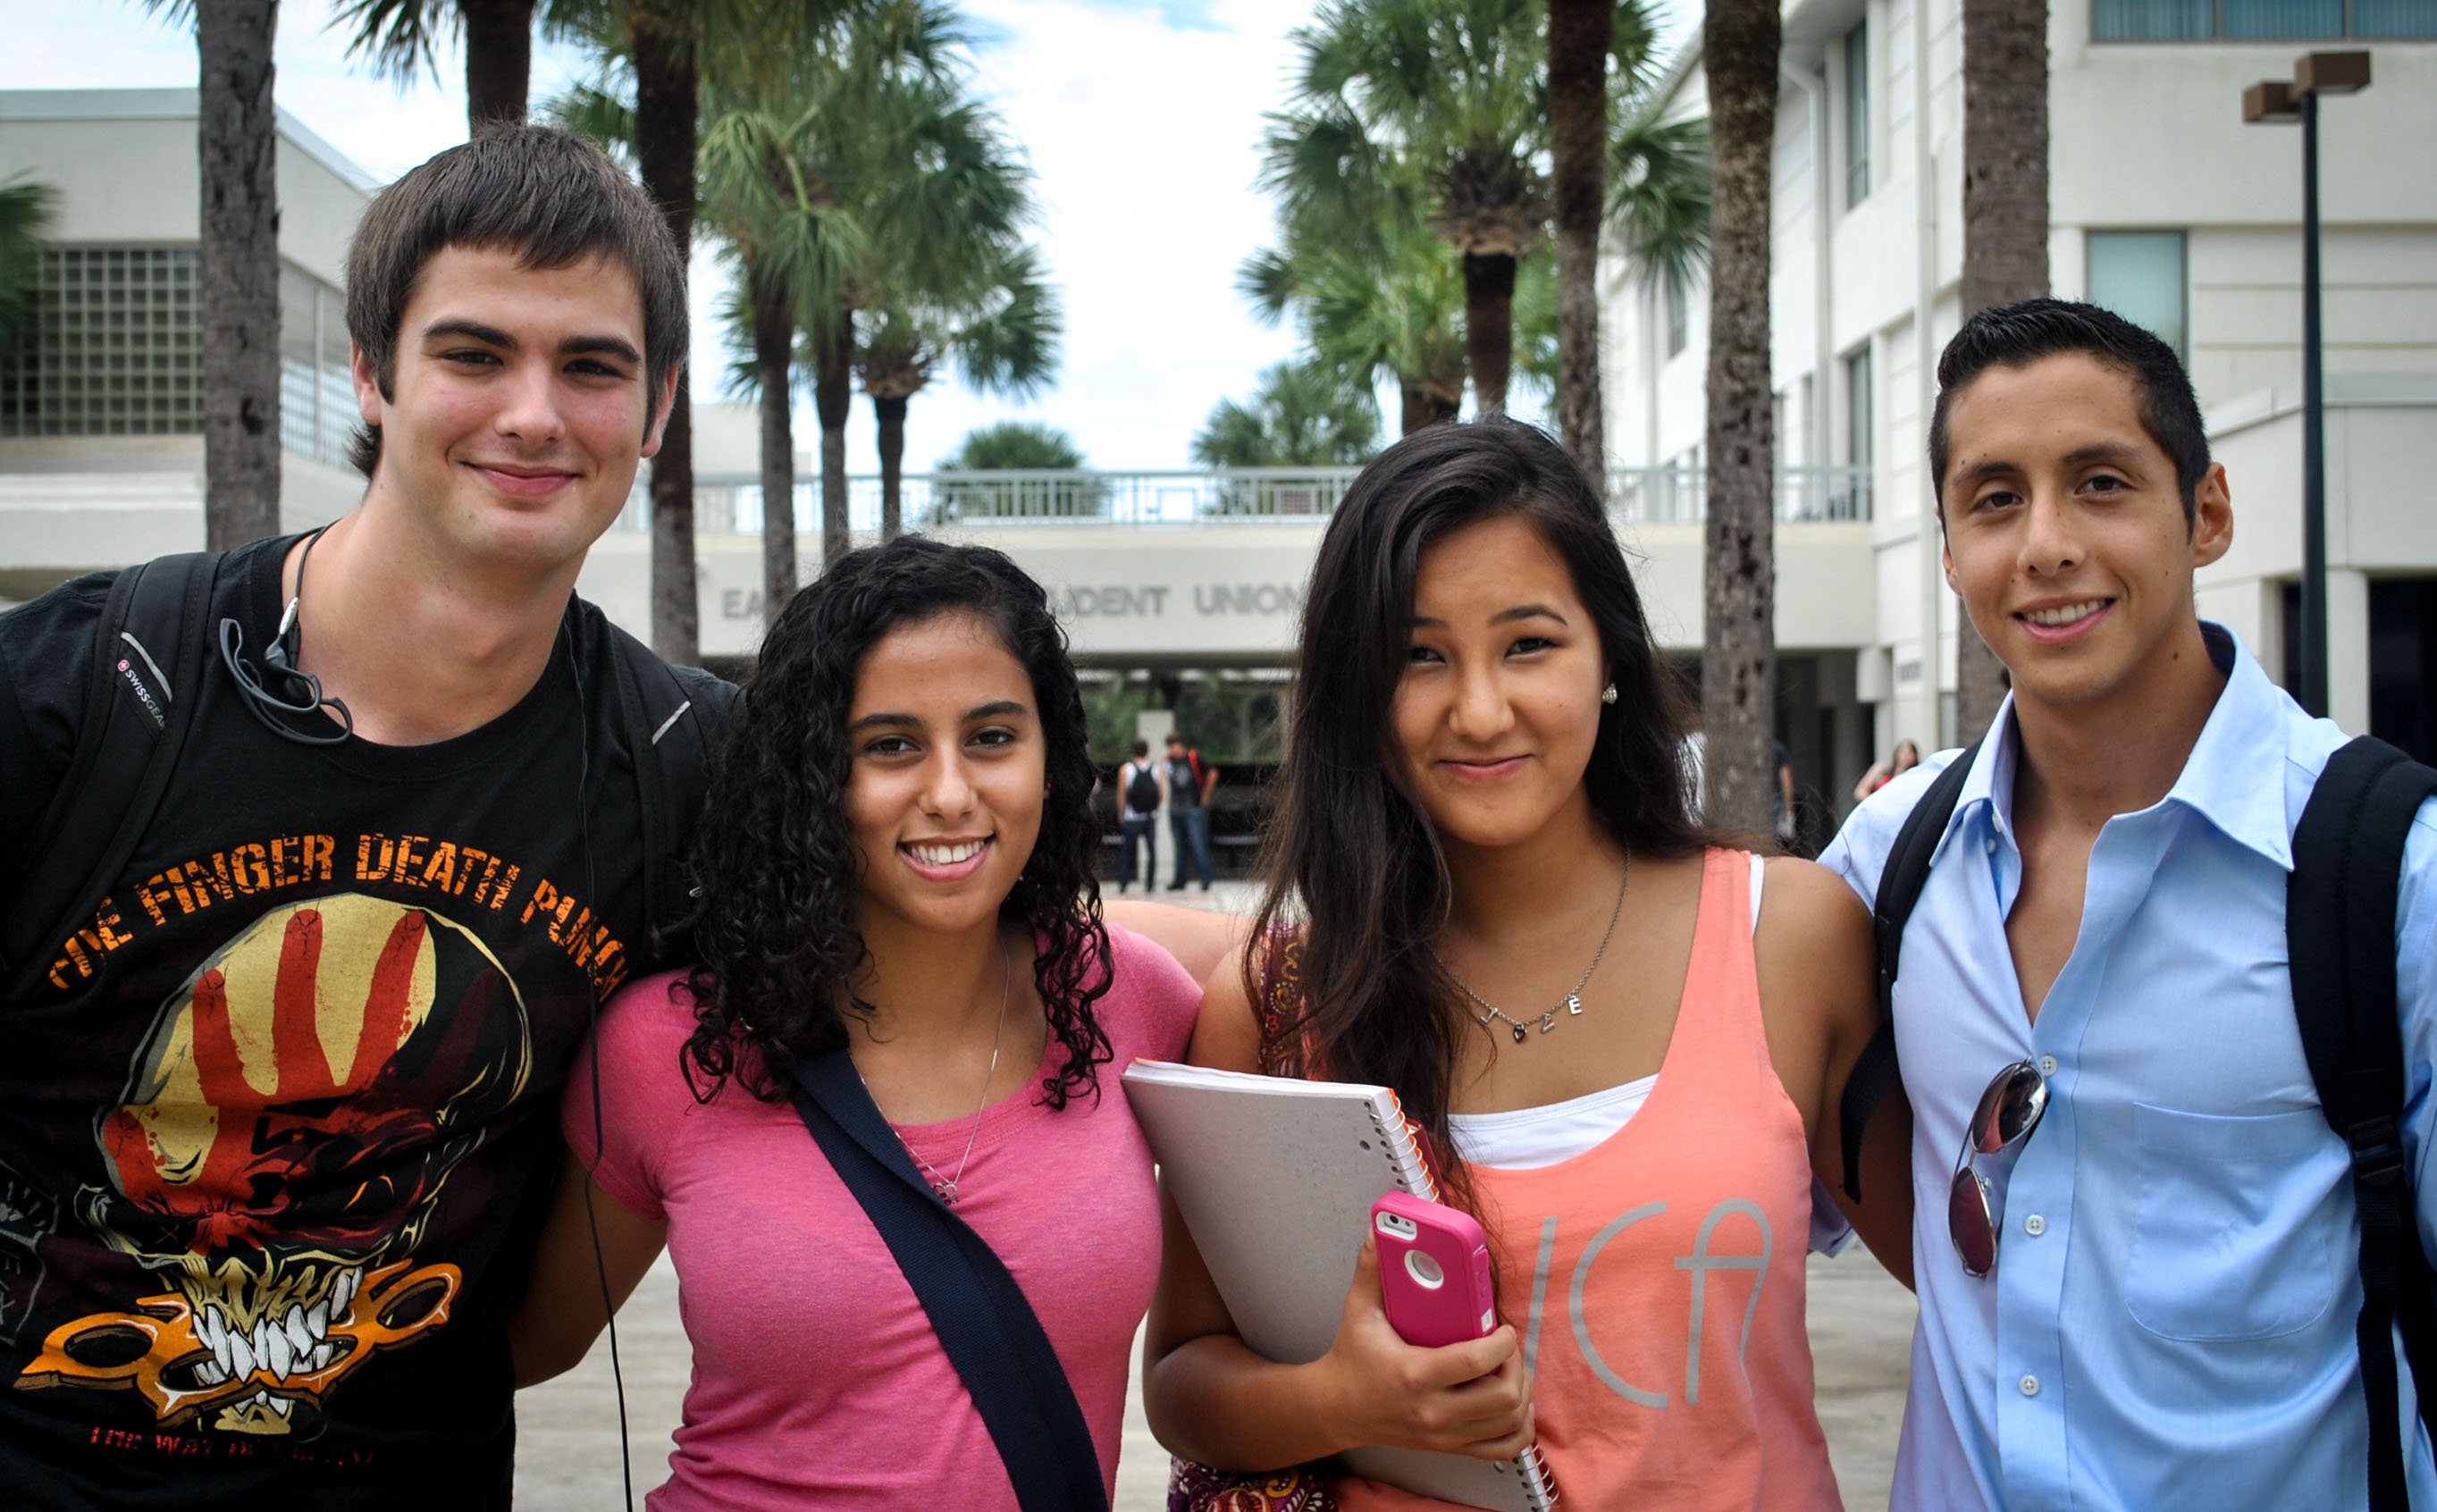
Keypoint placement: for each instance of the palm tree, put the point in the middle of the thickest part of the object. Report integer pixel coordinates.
(1461, 86)
(1304, 414)
(238, 128)
(1386, 304)
(25, 216)
(943, 198)
(1580, 32)
(2005, 229)
(1003, 338)
(1740, 43)
(400, 38)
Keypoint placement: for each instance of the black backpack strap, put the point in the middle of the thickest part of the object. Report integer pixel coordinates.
(985, 1324)
(1900, 883)
(675, 719)
(2340, 940)
(148, 658)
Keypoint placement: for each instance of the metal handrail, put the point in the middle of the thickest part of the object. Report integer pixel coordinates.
(730, 503)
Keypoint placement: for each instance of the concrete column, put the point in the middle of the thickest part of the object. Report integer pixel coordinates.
(2348, 649)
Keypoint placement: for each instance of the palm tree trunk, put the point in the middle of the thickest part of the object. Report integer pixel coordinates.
(1489, 326)
(891, 417)
(662, 48)
(238, 144)
(1580, 33)
(1423, 409)
(774, 342)
(499, 62)
(1739, 46)
(2005, 229)
(833, 400)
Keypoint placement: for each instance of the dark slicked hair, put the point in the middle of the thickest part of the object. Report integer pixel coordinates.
(2019, 334)
(553, 198)
(776, 854)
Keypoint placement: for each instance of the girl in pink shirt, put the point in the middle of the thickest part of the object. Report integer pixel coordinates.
(898, 859)
(1624, 1065)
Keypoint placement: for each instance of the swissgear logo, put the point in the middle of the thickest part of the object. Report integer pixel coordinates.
(142, 694)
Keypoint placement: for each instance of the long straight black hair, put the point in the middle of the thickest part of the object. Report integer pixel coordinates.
(1348, 846)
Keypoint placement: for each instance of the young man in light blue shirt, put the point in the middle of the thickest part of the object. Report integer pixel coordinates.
(2166, 1317)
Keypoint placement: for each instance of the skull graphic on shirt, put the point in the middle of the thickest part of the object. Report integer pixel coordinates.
(287, 1130)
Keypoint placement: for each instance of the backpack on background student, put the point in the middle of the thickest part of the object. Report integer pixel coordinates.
(1142, 789)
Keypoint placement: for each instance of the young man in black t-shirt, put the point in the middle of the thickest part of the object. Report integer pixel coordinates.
(276, 1121)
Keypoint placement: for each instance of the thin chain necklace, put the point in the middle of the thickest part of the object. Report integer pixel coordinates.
(1571, 1004)
(947, 1185)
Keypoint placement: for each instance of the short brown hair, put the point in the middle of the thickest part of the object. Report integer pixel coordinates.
(551, 197)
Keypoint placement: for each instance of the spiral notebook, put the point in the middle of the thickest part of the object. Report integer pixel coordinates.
(1276, 1178)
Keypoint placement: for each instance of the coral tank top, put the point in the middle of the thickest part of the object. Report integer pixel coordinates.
(1657, 1277)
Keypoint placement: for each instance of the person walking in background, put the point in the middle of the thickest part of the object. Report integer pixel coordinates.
(1139, 794)
(899, 932)
(1782, 814)
(1905, 757)
(1189, 786)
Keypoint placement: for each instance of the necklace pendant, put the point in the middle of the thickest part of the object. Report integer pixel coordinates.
(1547, 1021)
(1573, 1004)
(1519, 1033)
(947, 1192)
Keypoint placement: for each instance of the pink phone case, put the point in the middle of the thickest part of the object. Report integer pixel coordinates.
(1434, 1271)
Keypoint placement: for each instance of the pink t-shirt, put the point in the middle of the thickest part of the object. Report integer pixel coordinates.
(818, 1381)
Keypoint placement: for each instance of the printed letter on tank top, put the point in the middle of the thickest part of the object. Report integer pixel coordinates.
(1657, 1279)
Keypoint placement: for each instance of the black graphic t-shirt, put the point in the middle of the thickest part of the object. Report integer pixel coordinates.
(276, 1125)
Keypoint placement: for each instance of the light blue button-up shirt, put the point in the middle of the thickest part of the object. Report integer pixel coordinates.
(2171, 1321)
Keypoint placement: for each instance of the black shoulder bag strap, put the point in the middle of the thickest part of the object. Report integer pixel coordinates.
(149, 656)
(1900, 883)
(674, 717)
(986, 1326)
(2340, 940)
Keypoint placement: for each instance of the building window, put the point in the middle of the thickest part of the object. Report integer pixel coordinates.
(1680, 318)
(317, 392)
(115, 349)
(1858, 415)
(1857, 115)
(2139, 274)
(2257, 20)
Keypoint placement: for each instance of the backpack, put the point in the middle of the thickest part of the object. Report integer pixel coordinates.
(1142, 789)
(2339, 947)
(153, 639)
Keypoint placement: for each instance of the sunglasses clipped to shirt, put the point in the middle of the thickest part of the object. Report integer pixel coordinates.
(2009, 1109)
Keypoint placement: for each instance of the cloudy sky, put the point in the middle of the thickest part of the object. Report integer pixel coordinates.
(1142, 119)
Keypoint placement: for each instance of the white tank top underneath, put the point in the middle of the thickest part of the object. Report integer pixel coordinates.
(1528, 1138)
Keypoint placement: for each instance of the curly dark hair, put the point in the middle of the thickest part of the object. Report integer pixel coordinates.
(1347, 846)
(775, 859)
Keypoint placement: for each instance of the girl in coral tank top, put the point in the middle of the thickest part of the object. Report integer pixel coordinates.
(1625, 1045)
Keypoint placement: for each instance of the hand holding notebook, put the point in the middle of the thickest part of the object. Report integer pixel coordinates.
(1276, 1178)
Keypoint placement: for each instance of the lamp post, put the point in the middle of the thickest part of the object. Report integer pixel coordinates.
(2278, 102)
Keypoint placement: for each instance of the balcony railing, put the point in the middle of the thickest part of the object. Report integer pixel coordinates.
(726, 503)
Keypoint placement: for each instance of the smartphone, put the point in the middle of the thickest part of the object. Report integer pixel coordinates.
(1434, 1271)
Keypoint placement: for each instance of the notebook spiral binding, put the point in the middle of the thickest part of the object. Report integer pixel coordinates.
(1403, 1145)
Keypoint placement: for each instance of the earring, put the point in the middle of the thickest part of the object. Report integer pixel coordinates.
(1608, 695)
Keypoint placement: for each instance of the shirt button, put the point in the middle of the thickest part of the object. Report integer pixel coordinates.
(2035, 1225)
(2047, 1066)
(1990, 844)
(2030, 1385)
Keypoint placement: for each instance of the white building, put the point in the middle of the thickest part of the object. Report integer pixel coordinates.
(101, 454)
(2166, 208)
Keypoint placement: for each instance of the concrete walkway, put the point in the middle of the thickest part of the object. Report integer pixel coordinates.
(567, 1460)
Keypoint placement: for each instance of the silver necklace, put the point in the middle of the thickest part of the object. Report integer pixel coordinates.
(946, 1185)
(1571, 1004)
